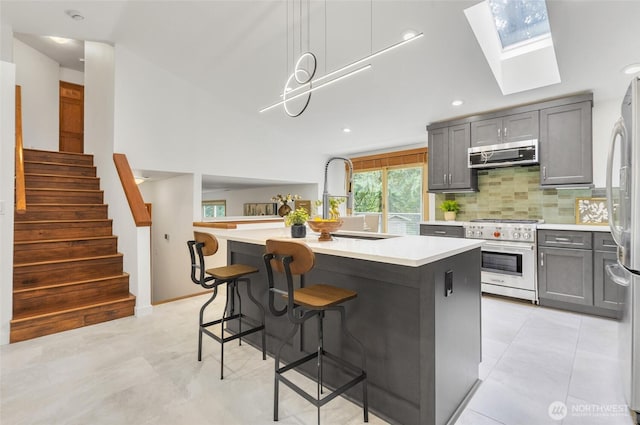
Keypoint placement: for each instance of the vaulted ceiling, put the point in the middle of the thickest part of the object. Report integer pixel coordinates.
(240, 52)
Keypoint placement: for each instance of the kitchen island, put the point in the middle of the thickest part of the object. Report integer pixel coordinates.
(422, 342)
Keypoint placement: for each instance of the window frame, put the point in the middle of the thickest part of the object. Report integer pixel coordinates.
(214, 203)
(411, 158)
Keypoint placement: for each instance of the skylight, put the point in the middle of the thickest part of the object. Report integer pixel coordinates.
(516, 40)
(519, 21)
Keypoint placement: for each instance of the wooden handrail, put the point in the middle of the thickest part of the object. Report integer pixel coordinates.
(136, 203)
(21, 196)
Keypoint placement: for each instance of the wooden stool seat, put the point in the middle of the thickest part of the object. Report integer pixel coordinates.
(233, 271)
(321, 296)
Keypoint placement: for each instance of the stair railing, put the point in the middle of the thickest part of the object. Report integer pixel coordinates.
(21, 196)
(136, 203)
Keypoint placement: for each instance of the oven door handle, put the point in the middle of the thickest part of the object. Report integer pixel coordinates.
(511, 246)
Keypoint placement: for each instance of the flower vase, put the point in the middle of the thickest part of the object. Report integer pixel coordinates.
(298, 231)
(284, 209)
(450, 215)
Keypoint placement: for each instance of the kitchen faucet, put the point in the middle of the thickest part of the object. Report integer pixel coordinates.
(325, 193)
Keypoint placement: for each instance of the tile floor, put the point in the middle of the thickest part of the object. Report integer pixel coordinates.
(144, 371)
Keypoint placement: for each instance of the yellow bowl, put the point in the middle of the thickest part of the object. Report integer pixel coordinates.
(324, 228)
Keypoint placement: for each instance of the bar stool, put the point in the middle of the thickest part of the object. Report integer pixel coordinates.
(296, 259)
(205, 244)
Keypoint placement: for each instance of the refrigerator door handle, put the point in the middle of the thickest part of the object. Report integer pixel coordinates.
(616, 276)
(618, 130)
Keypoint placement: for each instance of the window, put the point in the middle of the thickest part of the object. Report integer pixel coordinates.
(391, 187)
(518, 21)
(211, 209)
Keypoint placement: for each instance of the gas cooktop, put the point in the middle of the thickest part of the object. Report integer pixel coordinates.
(506, 220)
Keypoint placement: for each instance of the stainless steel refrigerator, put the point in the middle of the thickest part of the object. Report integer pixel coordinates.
(623, 201)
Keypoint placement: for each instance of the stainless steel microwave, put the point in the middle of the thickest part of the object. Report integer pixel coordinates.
(504, 154)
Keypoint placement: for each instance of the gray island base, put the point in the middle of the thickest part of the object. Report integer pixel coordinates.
(422, 341)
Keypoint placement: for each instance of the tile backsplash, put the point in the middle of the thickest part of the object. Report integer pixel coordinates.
(514, 192)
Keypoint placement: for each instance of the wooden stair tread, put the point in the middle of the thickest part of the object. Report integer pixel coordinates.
(49, 204)
(64, 221)
(67, 260)
(42, 151)
(88, 238)
(17, 320)
(54, 189)
(62, 164)
(60, 175)
(66, 284)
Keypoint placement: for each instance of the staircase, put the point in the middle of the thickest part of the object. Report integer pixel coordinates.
(67, 272)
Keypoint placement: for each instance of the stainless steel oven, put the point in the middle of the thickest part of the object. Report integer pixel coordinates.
(508, 257)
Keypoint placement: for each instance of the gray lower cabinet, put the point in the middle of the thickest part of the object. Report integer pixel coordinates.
(511, 128)
(565, 274)
(566, 145)
(572, 271)
(442, 230)
(606, 293)
(448, 163)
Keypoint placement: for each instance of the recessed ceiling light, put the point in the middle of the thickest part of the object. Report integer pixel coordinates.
(632, 69)
(346, 130)
(74, 14)
(457, 102)
(408, 34)
(60, 40)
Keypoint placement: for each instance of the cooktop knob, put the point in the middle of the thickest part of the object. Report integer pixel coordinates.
(526, 235)
(516, 235)
(470, 233)
(479, 233)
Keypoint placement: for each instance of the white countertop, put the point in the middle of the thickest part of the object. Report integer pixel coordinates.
(575, 227)
(410, 251)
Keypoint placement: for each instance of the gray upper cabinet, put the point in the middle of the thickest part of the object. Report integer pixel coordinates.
(448, 170)
(510, 128)
(565, 145)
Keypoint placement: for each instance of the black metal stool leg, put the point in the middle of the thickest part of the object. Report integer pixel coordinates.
(262, 315)
(292, 332)
(202, 309)
(235, 284)
(228, 311)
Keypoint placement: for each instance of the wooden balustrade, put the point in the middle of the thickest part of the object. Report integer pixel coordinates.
(138, 208)
(21, 196)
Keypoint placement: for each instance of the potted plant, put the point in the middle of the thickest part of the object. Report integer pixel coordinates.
(296, 219)
(450, 208)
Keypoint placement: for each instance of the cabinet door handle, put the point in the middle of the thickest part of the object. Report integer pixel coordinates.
(542, 259)
(440, 232)
(499, 132)
(544, 172)
(444, 178)
(450, 179)
(505, 132)
(559, 239)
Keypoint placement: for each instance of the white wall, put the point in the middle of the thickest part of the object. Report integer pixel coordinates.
(39, 77)
(7, 159)
(172, 209)
(238, 197)
(71, 76)
(99, 140)
(193, 132)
